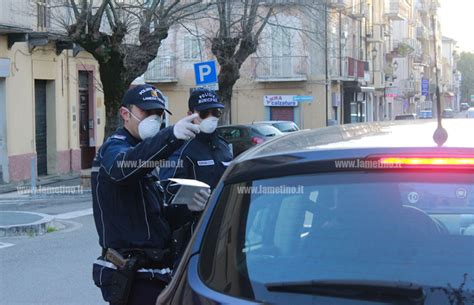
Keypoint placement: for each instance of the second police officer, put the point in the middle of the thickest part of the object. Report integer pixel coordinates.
(203, 158)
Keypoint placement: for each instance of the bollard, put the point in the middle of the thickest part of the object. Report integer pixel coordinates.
(33, 176)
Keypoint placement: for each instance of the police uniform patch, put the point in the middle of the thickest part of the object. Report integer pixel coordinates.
(206, 162)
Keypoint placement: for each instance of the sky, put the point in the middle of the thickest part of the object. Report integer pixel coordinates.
(457, 22)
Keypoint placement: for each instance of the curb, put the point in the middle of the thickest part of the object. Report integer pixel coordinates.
(47, 180)
(38, 227)
(6, 197)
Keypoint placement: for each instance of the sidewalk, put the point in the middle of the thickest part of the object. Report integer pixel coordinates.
(53, 180)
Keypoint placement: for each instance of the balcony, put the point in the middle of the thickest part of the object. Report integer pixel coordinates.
(421, 60)
(398, 10)
(280, 68)
(337, 4)
(405, 46)
(407, 87)
(354, 68)
(162, 70)
(376, 34)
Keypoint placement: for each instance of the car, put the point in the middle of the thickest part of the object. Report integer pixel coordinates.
(283, 126)
(243, 137)
(351, 214)
(400, 117)
(464, 106)
(470, 113)
(448, 113)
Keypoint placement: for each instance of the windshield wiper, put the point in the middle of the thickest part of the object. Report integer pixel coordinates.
(362, 290)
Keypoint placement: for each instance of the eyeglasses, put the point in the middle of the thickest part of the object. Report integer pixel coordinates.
(214, 111)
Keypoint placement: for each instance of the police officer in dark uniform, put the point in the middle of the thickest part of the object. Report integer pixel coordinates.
(128, 210)
(204, 158)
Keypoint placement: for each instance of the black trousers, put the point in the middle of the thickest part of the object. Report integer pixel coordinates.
(145, 291)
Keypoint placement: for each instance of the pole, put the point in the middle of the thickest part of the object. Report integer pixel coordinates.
(441, 135)
(326, 58)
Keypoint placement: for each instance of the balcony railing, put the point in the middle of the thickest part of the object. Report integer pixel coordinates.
(422, 59)
(280, 68)
(407, 87)
(162, 70)
(337, 3)
(351, 68)
(398, 10)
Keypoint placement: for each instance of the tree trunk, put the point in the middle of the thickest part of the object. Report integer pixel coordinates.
(225, 94)
(228, 76)
(114, 86)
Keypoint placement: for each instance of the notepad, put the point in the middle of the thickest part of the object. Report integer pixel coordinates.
(187, 189)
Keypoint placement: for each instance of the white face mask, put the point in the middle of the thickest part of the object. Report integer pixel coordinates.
(209, 124)
(149, 126)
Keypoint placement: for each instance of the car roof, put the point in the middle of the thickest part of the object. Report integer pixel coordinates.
(272, 122)
(390, 134)
(297, 152)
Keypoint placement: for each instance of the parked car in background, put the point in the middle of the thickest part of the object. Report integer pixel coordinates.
(464, 106)
(401, 117)
(283, 126)
(242, 137)
(470, 113)
(448, 113)
(426, 114)
(358, 214)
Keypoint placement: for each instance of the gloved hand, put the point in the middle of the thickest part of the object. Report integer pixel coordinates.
(199, 200)
(184, 129)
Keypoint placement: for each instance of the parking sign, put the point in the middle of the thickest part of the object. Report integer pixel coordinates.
(205, 73)
(425, 87)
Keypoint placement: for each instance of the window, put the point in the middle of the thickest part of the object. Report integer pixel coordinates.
(43, 14)
(230, 133)
(397, 227)
(191, 48)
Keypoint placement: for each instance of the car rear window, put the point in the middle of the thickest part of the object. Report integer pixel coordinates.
(409, 227)
(229, 133)
(266, 130)
(286, 126)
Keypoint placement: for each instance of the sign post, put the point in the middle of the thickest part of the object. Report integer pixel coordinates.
(425, 87)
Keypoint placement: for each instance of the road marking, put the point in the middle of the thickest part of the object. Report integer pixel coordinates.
(75, 214)
(5, 245)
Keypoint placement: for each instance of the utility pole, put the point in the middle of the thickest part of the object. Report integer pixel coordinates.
(326, 58)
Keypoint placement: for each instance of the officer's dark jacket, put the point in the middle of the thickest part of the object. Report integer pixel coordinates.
(204, 158)
(128, 208)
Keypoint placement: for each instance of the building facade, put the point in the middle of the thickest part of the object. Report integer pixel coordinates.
(51, 110)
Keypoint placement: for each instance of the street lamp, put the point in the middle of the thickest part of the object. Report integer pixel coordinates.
(374, 53)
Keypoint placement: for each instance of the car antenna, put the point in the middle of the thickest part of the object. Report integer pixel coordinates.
(440, 135)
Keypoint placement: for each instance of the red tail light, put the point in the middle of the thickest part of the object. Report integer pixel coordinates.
(429, 161)
(257, 140)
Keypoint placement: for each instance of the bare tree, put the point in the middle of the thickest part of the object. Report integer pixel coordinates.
(240, 24)
(235, 31)
(124, 37)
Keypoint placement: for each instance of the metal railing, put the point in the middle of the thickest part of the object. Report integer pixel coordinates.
(283, 68)
(407, 86)
(350, 68)
(162, 69)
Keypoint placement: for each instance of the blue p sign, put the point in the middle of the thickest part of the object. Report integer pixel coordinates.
(205, 72)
